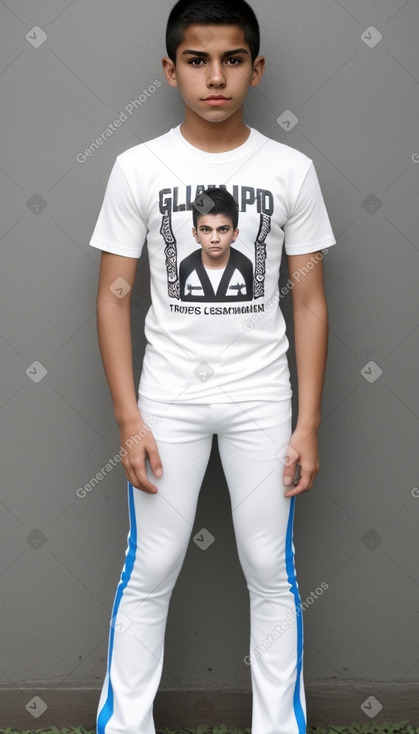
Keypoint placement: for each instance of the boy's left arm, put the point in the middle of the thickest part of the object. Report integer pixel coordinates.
(310, 317)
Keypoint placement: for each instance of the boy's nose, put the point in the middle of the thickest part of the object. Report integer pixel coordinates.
(216, 75)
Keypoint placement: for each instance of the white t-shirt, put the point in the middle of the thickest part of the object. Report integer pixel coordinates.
(227, 343)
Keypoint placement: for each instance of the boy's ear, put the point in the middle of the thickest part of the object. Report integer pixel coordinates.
(169, 70)
(235, 234)
(195, 234)
(258, 69)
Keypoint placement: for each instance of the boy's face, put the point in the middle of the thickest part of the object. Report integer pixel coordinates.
(215, 234)
(213, 71)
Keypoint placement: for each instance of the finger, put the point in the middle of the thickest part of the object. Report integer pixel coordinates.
(303, 482)
(140, 481)
(155, 462)
(296, 490)
(289, 460)
(136, 474)
(289, 473)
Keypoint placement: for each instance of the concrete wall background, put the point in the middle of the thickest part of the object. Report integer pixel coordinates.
(349, 71)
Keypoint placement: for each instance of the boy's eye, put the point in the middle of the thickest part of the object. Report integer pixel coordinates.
(232, 61)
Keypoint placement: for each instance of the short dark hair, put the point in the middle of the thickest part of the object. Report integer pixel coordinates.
(215, 201)
(211, 12)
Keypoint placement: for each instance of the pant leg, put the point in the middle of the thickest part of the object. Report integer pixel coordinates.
(160, 530)
(263, 522)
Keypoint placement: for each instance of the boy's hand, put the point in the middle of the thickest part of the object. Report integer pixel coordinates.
(302, 462)
(139, 448)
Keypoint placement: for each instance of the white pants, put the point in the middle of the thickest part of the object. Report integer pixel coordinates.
(250, 438)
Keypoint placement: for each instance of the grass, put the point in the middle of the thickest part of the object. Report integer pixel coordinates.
(402, 727)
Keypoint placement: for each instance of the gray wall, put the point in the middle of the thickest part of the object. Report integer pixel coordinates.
(61, 554)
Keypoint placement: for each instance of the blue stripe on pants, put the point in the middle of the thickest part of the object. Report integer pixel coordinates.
(107, 709)
(292, 579)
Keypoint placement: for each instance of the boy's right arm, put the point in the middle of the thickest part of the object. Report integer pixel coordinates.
(115, 343)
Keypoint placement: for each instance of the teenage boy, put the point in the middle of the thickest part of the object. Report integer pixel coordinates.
(206, 373)
(217, 271)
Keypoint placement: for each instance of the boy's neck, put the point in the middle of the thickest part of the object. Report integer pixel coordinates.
(214, 137)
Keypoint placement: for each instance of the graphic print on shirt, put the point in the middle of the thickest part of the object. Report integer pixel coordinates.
(188, 280)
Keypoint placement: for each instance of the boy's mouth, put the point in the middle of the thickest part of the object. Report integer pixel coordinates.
(216, 99)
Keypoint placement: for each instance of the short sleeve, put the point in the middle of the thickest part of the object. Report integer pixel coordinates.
(308, 228)
(120, 228)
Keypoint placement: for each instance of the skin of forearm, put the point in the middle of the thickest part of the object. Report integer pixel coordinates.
(311, 341)
(115, 343)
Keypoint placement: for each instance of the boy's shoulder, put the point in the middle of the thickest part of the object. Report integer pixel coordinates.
(146, 148)
(283, 150)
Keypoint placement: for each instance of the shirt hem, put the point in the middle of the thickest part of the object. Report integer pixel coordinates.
(215, 398)
(307, 248)
(114, 249)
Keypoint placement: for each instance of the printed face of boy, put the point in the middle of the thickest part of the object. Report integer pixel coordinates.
(213, 71)
(215, 234)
